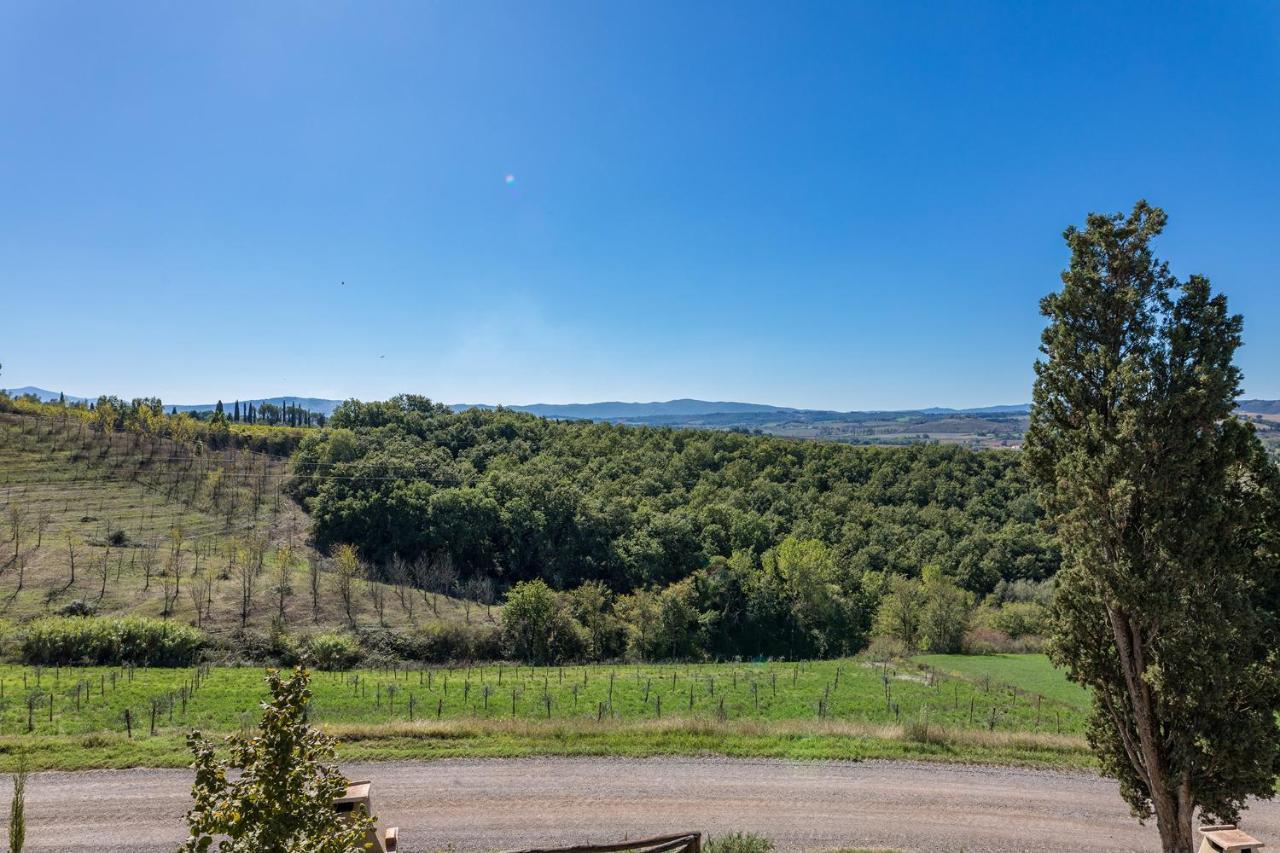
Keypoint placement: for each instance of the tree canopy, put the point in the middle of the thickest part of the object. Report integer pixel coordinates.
(515, 497)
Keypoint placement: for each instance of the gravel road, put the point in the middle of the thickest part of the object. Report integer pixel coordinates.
(502, 804)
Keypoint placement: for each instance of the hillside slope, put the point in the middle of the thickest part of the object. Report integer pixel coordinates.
(125, 525)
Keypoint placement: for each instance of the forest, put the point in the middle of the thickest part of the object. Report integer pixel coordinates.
(663, 543)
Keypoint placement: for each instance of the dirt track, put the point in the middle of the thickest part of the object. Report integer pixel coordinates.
(497, 804)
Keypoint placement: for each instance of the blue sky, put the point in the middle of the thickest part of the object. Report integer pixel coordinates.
(839, 205)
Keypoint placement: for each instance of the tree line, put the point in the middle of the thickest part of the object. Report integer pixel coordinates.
(145, 417)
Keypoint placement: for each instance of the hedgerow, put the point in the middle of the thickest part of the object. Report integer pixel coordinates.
(111, 640)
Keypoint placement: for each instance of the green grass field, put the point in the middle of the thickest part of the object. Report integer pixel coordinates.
(829, 709)
(1028, 672)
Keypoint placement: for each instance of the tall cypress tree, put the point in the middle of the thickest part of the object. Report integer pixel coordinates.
(1169, 516)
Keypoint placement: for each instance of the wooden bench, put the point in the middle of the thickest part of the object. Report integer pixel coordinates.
(688, 842)
(1227, 839)
(357, 796)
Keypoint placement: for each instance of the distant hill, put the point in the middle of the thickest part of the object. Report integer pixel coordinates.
(616, 410)
(686, 412)
(1014, 409)
(1260, 407)
(687, 408)
(42, 393)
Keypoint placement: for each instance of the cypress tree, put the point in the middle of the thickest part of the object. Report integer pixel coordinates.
(1168, 512)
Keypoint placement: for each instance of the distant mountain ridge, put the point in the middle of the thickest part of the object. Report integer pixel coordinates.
(612, 410)
(1259, 407)
(43, 394)
(669, 411)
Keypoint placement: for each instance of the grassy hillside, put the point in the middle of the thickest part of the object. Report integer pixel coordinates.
(1028, 672)
(156, 528)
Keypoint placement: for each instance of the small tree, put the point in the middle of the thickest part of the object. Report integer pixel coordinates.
(346, 568)
(1169, 517)
(313, 576)
(537, 626)
(946, 613)
(17, 518)
(439, 575)
(283, 588)
(378, 598)
(43, 519)
(400, 575)
(200, 591)
(71, 561)
(283, 799)
(245, 570)
(901, 610)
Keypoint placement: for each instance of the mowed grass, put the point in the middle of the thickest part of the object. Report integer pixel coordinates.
(830, 709)
(1027, 672)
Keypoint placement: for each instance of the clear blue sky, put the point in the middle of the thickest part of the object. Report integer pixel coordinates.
(838, 205)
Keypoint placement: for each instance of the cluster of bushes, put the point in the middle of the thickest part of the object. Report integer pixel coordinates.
(111, 640)
(793, 601)
(1013, 619)
(445, 642)
(933, 614)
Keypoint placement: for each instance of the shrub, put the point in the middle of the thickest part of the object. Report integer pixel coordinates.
(930, 614)
(18, 809)
(448, 642)
(1041, 592)
(739, 842)
(333, 651)
(882, 648)
(111, 640)
(275, 647)
(538, 626)
(1020, 618)
(282, 798)
(983, 640)
(77, 607)
(920, 730)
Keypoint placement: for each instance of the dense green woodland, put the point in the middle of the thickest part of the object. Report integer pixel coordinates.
(770, 545)
(517, 497)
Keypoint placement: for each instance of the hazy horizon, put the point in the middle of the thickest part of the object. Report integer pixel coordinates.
(228, 400)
